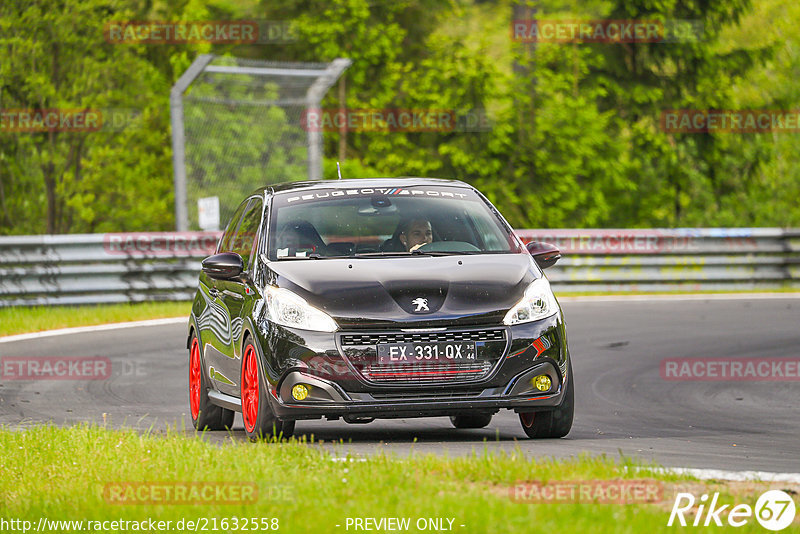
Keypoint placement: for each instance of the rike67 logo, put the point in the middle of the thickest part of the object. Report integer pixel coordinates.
(774, 510)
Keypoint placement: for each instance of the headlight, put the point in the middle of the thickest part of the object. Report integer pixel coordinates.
(538, 303)
(288, 309)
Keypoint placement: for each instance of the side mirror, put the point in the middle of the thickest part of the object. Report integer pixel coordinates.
(545, 254)
(223, 266)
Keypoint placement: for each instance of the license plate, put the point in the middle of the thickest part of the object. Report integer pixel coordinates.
(426, 352)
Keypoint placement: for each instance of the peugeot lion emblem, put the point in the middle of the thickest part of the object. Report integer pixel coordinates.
(421, 304)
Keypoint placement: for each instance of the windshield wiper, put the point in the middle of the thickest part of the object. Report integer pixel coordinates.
(378, 254)
(447, 252)
(412, 253)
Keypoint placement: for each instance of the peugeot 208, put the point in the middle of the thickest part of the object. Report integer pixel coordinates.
(376, 298)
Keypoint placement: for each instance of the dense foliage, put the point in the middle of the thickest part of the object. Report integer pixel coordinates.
(574, 139)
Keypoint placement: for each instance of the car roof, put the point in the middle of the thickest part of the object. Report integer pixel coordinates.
(360, 182)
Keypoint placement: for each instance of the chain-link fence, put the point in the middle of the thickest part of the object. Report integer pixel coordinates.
(238, 124)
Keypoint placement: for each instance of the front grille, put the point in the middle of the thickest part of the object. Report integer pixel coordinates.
(349, 340)
(361, 350)
(426, 372)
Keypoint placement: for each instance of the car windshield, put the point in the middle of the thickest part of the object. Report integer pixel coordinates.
(386, 221)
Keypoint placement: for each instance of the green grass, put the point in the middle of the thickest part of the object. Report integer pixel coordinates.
(18, 320)
(61, 474)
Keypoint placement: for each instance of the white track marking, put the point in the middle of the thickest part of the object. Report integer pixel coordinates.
(95, 328)
(736, 476)
(702, 296)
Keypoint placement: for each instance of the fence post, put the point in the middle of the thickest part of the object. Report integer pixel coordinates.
(179, 140)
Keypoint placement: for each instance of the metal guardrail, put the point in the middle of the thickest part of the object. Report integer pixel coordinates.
(134, 267)
(101, 268)
(681, 259)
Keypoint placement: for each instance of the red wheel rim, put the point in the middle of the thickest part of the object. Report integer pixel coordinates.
(194, 379)
(527, 419)
(249, 388)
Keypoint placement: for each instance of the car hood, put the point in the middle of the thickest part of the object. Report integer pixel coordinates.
(423, 290)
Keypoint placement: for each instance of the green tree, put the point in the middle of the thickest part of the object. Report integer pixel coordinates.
(55, 57)
(682, 179)
(574, 139)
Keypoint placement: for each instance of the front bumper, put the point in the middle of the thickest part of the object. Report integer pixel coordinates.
(428, 404)
(338, 389)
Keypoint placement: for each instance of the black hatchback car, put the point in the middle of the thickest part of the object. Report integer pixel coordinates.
(376, 298)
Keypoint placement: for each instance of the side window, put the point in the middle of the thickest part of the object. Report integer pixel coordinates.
(247, 233)
(227, 237)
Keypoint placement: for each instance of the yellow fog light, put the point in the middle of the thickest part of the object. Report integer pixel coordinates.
(299, 392)
(542, 382)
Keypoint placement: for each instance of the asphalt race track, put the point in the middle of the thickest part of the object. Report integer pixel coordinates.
(623, 406)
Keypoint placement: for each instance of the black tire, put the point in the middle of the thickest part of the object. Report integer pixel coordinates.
(554, 423)
(471, 421)
(205, 415)
(259, 421)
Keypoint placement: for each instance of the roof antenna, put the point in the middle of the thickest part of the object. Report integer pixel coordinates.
(339, 170)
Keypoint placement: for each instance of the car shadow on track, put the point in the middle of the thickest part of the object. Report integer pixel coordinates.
(383, 431)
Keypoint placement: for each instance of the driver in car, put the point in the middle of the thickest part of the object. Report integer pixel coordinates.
(415, 234)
